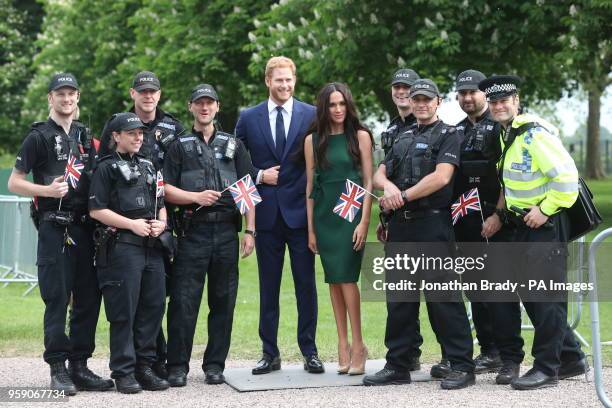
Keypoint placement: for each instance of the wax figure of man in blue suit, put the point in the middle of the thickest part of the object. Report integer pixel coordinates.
(273, 132)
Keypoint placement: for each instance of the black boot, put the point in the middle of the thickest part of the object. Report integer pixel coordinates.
(127, 384)
(573, 368)
(148, 380)
(458, 379)
(160, 369)
(414, 364)
(507, 373)
(60, 380)
(488, 363)
(85, 379)
(387, 376)
(177, 376)
(441, 370)
(534, 379)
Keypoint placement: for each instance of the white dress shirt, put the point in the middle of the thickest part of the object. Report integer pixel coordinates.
(272, 112)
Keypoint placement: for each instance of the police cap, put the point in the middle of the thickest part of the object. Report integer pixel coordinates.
(61, 80)
(125, 121)
(203, 91)
(146, 80)
(425, 87)
(469, 80)
(404, 76)
(500, 86)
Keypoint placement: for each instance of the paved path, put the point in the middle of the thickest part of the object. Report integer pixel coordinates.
(33, 372)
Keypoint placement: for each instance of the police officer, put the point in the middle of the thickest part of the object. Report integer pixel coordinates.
(539, 179)
(130, 264)
(65, 247)
(480, 151)
(198, 169)
(416, 177)
(161, 129)
(401, 82)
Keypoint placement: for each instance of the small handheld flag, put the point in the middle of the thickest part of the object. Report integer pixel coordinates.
(466, 203)
(72, 174)
(245, 194)
(159, 192)
(350, 201)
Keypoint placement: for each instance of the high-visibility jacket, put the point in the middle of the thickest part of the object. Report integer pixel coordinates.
(537, 170)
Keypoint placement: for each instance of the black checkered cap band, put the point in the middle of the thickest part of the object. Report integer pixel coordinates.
(497, 88)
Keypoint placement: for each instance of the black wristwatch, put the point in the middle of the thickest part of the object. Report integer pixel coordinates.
(251, 232)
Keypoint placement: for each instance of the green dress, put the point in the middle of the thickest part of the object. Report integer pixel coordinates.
(341, 264)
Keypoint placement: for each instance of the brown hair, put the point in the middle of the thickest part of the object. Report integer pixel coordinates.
(322, 124)
(279, 62)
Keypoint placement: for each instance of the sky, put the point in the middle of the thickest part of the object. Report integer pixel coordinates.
(570, 111)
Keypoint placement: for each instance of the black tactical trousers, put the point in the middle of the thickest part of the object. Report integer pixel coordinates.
(494, 322)
(208, 249)
(134, 292)
(554, 341)
(64, 271)
(448, 319)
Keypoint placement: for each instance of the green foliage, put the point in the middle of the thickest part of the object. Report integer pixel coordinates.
(19, 22)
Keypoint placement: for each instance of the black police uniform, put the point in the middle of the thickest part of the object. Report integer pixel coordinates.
(65, 245)
(158, 136)
(480, 152)
(207, 245)
(130, 268)
(397, 126)
(412, 157)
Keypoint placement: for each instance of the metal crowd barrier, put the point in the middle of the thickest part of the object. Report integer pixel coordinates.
(597, 356)
(18, 241)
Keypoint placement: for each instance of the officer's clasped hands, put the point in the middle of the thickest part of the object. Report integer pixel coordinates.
(392, 198)
(141, 227)
(491, 225)
(59, 188)
(157, 227)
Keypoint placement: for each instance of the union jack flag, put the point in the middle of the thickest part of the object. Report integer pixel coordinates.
(72, 174)
(466, 203)
(245, 194)
(350, 201)
(159, 192)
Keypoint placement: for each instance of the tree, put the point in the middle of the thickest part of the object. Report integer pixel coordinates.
(588, 55)
(19, 24)
(194, 42)
(362, 43)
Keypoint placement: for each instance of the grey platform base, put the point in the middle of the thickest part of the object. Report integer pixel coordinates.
(294, 376)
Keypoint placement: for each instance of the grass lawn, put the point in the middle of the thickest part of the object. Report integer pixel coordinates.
(21, 317)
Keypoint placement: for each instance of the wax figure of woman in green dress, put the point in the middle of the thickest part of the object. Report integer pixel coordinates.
(339, 148)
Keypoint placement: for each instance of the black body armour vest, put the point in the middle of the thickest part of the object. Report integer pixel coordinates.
(415, 156)
(133, 195)
(59, 148)
(208, 167)
(480, 151)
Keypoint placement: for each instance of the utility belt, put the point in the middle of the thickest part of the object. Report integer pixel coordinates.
(65, 217)
(409, 215)
(189, 217)
(128, 237)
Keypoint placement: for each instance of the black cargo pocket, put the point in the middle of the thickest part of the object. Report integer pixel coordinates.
(48, 281)
(133, 198)
(115, 300)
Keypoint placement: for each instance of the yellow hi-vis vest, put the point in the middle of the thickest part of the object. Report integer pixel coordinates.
(537, 170)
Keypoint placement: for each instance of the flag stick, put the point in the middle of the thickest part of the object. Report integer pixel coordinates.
(481, 216)
(224, 190)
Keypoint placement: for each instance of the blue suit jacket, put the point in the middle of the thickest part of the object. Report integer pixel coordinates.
(289, 195)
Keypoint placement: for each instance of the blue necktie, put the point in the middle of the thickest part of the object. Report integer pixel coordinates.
(280, 132)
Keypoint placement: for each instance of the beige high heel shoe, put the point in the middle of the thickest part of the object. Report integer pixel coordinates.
(358, 366)
(344, 360)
